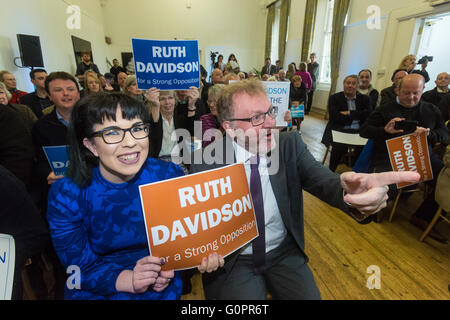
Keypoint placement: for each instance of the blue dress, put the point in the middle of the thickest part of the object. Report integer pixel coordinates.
(100, 229)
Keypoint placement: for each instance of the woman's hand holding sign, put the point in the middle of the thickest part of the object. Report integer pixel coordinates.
(368, 192)
(147, 273)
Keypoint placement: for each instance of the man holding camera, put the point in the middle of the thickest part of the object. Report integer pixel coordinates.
(407, 114)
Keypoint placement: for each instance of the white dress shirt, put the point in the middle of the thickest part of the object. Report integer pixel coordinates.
(275, 231)
(167, 143)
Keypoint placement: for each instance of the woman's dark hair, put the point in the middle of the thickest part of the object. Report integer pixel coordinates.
(95, 109)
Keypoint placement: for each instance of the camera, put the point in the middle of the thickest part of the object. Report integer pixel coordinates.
(425, 59)
(213, 56)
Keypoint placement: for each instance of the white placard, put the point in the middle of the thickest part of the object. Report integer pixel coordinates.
(7, 261)
(278, 94)
(348, 138)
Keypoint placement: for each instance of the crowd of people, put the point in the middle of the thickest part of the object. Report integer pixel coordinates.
(361, 109)
(92, 216)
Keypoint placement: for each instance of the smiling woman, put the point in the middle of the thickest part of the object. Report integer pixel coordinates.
(95, 215)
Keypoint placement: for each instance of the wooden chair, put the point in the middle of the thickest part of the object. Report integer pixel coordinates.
(401, 191)
(433, 222)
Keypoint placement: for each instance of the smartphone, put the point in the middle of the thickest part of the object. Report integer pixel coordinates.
(406, 125)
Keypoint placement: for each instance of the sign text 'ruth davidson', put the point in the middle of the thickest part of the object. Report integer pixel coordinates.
(410, 153)
(166, 64)
(190, 217)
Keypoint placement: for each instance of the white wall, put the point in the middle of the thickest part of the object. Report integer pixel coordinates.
(238, 25)
(47, 19)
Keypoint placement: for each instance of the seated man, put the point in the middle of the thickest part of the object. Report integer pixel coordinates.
(348, 110)
(275, 261)
(10, 81)
(365, 87)
(51, 129)
(216, 78)
(380, 126)
(39, 99)
(268, 68)
(388, 94)
(435, 95)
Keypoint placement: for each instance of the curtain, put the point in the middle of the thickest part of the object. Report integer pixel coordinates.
(284, 17)
(308, 28)
(339, 13)
(269, 25)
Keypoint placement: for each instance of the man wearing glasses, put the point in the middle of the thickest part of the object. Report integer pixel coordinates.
(275, 261)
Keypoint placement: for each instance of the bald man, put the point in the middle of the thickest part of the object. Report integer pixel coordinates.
(216, 77)
(380, 126)
(440, 91)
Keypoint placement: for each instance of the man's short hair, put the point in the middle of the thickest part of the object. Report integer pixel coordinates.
(34, 71)
(225, 108)
(370, 72)
(59, 75)
(395, 72)
(351, 76)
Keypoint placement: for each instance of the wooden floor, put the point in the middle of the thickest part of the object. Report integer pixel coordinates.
(341, 250)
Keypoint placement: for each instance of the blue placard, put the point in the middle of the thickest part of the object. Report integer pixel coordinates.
(58, 158)
(298, 112)
(166, 64)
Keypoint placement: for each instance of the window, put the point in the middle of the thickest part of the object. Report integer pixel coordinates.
(327, 30)
(275, 33)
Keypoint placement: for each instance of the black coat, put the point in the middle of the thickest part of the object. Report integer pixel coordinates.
(337, 103)
(16, 146)
(47, 131)
(433, 96)
(298, 94)
(156, 129)
(20, 219)
(444, 106)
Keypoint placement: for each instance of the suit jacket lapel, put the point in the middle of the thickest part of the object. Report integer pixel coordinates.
(280, 189)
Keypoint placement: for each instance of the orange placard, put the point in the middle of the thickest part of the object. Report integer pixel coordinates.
(410, 153)
(190, 217)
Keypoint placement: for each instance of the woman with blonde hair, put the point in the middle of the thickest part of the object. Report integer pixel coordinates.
(92, 83)
(408, 63)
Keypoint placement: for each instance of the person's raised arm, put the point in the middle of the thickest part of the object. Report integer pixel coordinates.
(153, 97)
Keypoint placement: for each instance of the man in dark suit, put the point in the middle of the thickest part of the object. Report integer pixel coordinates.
(278, 171)
(348, 110)
(388, 94)
(268, 68)
(435, 95)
